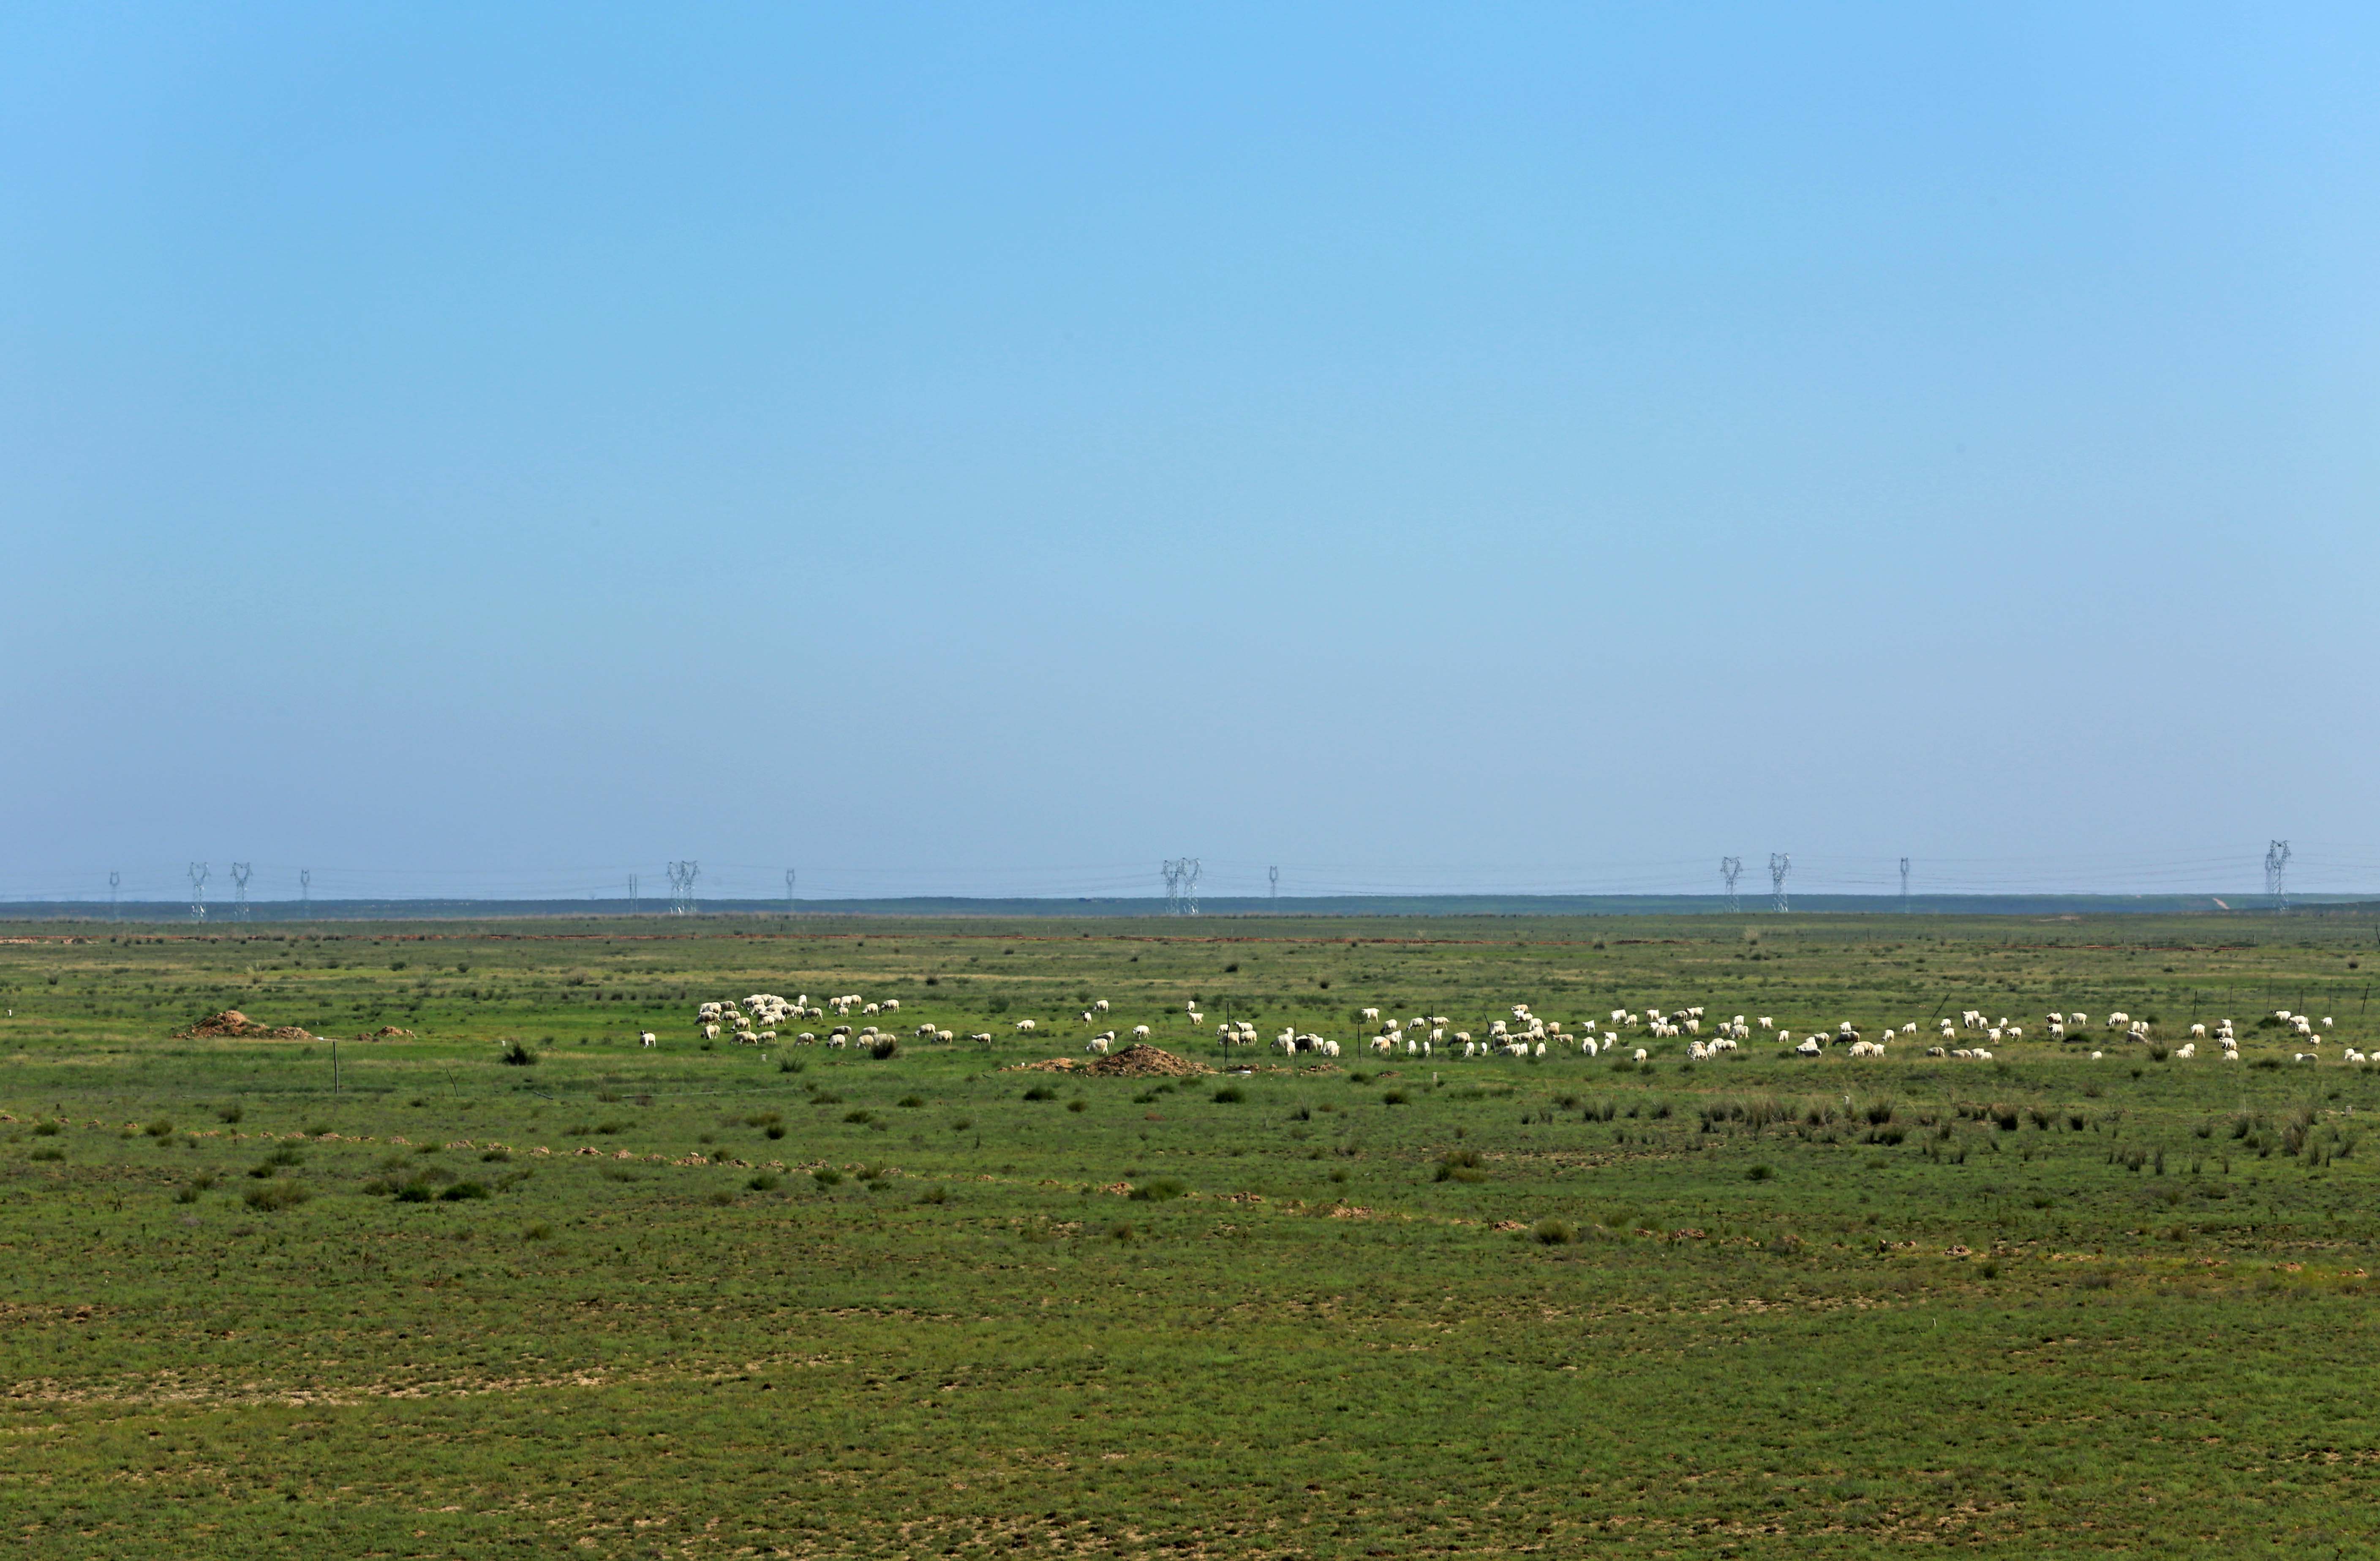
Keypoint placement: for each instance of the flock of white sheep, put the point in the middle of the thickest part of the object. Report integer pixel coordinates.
(754, 1021)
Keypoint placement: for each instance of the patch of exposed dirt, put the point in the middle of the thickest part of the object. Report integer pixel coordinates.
(1136, 1061)
(232, 1022)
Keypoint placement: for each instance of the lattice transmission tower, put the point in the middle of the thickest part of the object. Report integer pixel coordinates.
(1905, 885)
(198, 890)
(112, 880)
(789, 891)
(306, 893)
(1728, 869)
(1181, 874)
(1779, 865)
(682, 875)
(1273, 875)
(2276, 873)
(633, 903)
(239, 872)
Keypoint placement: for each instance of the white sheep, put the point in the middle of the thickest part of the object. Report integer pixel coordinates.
(646, 1038)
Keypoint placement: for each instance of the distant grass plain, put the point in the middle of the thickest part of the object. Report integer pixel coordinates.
(803, 1301)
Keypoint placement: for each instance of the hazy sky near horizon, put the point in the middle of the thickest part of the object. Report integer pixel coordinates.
(991, 448)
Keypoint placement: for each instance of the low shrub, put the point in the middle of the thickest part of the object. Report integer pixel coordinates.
(1459, 1165)
(276, 1196)
(463, 1191)
(1158, 1190)
(517, 1055)
(763, 1181)
(1554, 1233)
(826, 1176)
(1229, 1094)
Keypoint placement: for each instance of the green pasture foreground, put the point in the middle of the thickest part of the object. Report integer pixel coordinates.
(724, 1300)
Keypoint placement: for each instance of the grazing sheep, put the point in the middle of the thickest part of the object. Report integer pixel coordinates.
(710, 1032)
(1097, 1044)
(646, 1038)
(1100, 1006)
(2187, 1050)
(1642, 1053)
(1808, 1048)
(1140, 1032)
(1025, 1024)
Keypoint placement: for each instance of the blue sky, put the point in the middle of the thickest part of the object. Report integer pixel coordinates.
(993, 448)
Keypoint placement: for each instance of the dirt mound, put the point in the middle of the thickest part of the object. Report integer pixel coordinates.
(232, 1022)
(1134, 1061)
(387, 1032)
(1139, 1061)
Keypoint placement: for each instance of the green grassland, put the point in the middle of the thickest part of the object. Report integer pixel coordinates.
(722, 1300)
